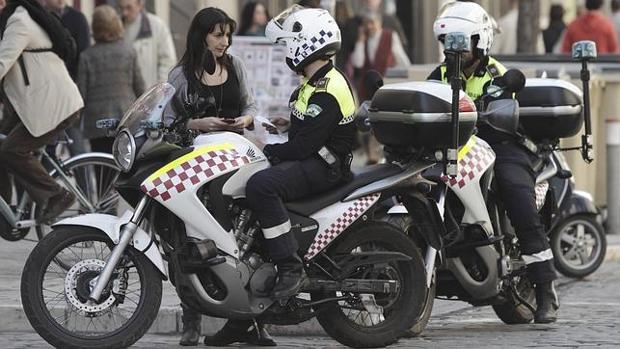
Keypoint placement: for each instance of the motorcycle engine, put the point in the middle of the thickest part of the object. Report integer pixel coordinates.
(263, 275)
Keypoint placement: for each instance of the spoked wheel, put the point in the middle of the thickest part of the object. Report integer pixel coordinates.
(94, 177)
(579, 245)
(376, 319)
(514, 310)
(56, 300)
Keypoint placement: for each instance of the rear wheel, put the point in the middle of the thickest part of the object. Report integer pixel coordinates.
(513, 311)
(349, 321)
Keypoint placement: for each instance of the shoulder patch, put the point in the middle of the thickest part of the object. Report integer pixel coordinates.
(493, 70)
(321, 84)
(313, 110)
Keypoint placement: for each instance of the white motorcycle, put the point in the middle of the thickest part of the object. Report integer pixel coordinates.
(96, 280)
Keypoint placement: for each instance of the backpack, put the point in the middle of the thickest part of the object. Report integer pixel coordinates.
(63, 43)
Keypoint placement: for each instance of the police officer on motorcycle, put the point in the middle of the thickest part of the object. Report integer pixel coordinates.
(513, 167)
(317, 155)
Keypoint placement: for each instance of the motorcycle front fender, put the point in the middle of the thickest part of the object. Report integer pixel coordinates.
(111, 226)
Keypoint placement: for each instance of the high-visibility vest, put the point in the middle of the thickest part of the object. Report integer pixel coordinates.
(336, 85)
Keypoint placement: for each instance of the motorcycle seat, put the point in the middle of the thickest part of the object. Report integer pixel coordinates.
(361, 177)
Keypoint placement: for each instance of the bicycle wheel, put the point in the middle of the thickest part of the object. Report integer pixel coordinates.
(93, 175)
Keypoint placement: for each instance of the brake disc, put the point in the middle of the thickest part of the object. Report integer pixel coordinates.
(78, 285)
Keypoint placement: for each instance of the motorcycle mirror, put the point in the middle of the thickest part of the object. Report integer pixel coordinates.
(514, 80)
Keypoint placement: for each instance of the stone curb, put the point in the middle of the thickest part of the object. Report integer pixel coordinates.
(169, 321)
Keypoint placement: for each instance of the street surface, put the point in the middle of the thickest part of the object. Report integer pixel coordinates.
(589, 318)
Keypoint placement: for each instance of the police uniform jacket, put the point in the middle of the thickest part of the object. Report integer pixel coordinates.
(489, 72)
(322, 114)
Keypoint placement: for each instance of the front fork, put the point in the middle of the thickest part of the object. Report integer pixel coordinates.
(126, 235)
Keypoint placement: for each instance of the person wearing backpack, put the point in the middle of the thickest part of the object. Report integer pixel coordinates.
(43, 98)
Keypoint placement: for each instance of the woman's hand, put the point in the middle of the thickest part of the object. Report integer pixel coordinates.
(242, 122)
(207, 124)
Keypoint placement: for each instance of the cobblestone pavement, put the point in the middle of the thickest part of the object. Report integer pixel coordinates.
(590, 318)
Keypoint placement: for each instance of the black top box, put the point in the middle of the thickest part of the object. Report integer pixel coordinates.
(418, 115)
(550, 109)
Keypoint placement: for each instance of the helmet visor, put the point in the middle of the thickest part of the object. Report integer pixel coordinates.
(281, 18)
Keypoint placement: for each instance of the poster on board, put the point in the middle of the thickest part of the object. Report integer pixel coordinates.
(270, 79)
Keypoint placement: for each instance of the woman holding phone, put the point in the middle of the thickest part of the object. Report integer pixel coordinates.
(211, 89)
(211, 84)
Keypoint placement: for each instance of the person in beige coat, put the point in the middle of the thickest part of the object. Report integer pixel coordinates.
(44, 101)
(151, 38)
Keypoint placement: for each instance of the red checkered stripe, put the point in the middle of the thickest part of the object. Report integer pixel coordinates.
(192, 172)
(471, 165)
(541, 194)
(350, 215)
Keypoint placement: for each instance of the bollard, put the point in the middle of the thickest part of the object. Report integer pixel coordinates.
(613, 176)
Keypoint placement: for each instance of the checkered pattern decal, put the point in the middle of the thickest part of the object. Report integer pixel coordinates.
(309, 48)
(471, 165)
(347, 119)
(351, 213)
(541, 194)
(193, 172)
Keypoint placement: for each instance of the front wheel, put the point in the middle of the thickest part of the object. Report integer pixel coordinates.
(349, 321)
(56, 300)
(579, 245)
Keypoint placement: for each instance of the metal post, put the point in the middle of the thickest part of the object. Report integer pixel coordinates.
(613, 175)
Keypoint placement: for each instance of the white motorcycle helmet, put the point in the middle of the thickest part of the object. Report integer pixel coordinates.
(469, 18)
(309, 34)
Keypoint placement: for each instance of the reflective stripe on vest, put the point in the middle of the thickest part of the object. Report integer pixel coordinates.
(474, 86)
(337, 86)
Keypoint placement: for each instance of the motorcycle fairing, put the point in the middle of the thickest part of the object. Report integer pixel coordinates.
(541, 193)
(175, 184)
(475, 158)
(335, 219)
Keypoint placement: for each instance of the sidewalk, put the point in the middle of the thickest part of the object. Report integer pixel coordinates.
(13, 319)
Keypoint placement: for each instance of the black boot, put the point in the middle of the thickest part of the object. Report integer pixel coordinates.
(242, 331)
(547, 303)
(290, 277)
(191, 327)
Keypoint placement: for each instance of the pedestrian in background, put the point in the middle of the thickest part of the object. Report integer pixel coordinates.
(109, 77)
(42, 97)
(592, 25)
(77, 25)
(254, 17)
(553, 33)
(377, 48)
(151, 38)
(615, 16)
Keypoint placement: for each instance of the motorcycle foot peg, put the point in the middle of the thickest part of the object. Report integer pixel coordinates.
(216, 260)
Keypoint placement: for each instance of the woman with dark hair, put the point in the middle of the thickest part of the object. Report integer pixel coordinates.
(254, 17)
(211, 89)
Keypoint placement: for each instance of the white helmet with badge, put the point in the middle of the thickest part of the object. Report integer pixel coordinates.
(309, 34)
(469, 18)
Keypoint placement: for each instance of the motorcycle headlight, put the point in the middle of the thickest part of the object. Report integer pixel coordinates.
(124, 150)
